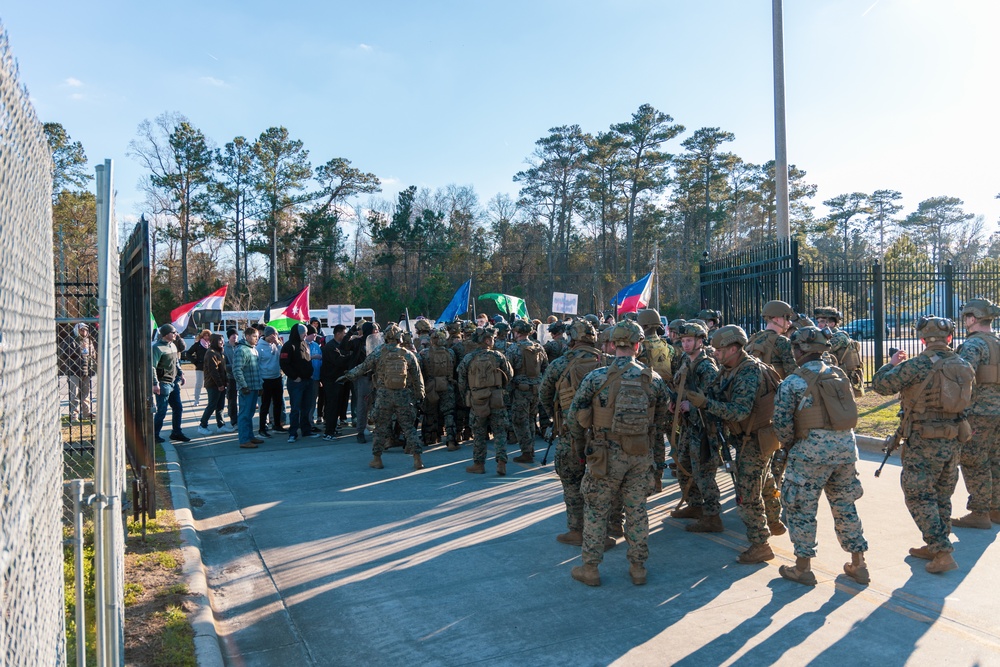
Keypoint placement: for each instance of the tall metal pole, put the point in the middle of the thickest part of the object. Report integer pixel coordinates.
(780, 147)
(656, 272)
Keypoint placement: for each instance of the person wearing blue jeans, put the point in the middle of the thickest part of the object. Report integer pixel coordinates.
(297, 366)
(246, 372)
(169, 379)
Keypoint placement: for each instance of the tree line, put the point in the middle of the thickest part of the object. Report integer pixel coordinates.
(594, 211)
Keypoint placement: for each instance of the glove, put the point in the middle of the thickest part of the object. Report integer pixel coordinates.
(696, 399)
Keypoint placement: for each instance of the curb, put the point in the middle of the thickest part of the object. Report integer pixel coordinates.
(207, 650)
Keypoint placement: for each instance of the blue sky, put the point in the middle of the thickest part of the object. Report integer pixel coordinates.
(894, 94)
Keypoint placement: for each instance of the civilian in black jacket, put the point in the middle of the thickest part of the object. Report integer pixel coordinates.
(297, 367)
(335, 361)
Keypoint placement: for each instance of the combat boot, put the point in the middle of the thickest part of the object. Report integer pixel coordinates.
(525, 457)
(477, 469)
(801, 573)
(615, 530)
(979, 520)
(638, 573)
(610, 543)
(776, 527)
(922, 552)
(376, 462)
(587, 574)
(857, 569)
(452, 446)
(995, 516)
(418, 463)
(757, 553)
(706, 524)
(574, 537)
(942, 562)
(501, 468)
(687, 512)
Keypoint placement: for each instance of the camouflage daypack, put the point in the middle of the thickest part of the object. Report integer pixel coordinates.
(833, 407)
(392, 368)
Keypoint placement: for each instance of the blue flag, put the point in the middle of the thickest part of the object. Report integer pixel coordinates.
(459, 303)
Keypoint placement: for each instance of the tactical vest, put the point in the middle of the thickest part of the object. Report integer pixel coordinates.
(849, 358)
(762, 413)
(630, 412)
(532, 356)
(392, 368)
(691, 384)
(439, 363)
(582, 362)
(484, 372)
(833, 407)
(988, 373)
(658, 354)
(946, 392)
(764, 346)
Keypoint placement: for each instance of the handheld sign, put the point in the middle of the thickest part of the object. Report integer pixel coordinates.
(343, 314)
(564, 303)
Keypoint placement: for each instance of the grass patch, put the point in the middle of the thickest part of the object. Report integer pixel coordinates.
(175, 589)
(132, 593)
(877, 415)
(177, 639)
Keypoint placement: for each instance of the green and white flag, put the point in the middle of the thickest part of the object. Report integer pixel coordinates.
(508, 304)
(285, 314)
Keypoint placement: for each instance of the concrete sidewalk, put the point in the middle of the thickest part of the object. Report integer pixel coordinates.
(315, 559)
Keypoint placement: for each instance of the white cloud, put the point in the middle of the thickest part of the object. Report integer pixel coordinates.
(212, 81)
(388, 181)
(365, 47)
(73, 83)
(76, 96)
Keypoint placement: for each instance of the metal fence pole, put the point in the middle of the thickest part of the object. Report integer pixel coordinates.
(878, 307)
(949, 290)
(81, 611)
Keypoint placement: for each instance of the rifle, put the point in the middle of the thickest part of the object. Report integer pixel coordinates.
(714, 428)
(889, 446)
(672, 435)
(552, 436)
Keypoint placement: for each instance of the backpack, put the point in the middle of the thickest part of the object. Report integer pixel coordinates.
(392, 368)
(849, 358)
(988, 373)
(439, 362)
(659, 354)
(630, 414)
(569, 381)
(533, 355)
(483, 372)
(762, 346)
(833, 407)
(763, 403)
(951, 383)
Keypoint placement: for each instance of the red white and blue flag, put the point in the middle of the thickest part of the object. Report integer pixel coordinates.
(197, 313)
(634, 297)
(284, 314)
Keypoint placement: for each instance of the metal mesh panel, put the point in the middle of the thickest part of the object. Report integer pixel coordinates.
(31, 588)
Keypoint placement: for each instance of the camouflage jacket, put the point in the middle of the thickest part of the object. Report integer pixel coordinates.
(588, 393)
(556, 348)
(463, 367)
(515, 354)
(839, 342)
(414, 380)
(732, 395)
(701, 374)
(820, 446)
(890, 379)
(782, 360)
(554, 371)
(985, 397)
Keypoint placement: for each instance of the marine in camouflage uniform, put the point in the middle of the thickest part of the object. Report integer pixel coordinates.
(697, 462)
(840, 343)
(524, 387)
(615, 463)
(556, 347)
(823, 460)
(734, 399)
(423, 338)
(980, 462)
(930, 464)
(570, 464)
(656, 351)
(393, 404)
(462, 345)
(501, 344)
(496, 420)
(439, 403)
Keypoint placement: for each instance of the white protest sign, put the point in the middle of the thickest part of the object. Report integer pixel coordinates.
(564, 303)
(340, 315)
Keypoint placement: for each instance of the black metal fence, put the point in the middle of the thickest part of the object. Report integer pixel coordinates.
(138, 373)
(880, 302)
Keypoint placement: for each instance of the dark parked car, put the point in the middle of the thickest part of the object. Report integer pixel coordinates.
(862, 329)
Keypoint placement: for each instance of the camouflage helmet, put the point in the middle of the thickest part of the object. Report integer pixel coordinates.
(811, 339)
(522, 327)
(675, 325)
(468, 327)
(583, 331)
(454, 327)
(502, 327)
(593, 319)
(778, 309)
(604, 333)
(406, 338)
(391, 333)
(709, 314)
(693, 329)
(931, 327)
(480, 335)
(829, 312)
(981, 309)
(729, 335)
(440, 337)
(626, 333)
(422, 326)
(802, 320)
(648, 318)
(557, 328)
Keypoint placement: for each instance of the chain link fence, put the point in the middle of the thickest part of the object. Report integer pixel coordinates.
(31, 564)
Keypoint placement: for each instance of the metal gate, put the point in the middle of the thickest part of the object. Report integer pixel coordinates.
(138, 372)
